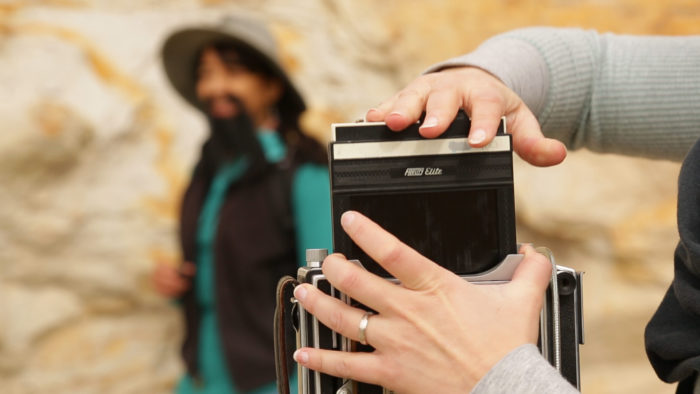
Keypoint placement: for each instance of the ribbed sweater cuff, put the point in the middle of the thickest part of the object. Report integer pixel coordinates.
(523, 371)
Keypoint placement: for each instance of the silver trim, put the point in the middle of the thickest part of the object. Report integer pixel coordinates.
(556, 329)
(346, 388)
(579, 301)
(305, 373)
(544, 332)
(424, 147)
(303, 342)
(334, 335)
(503, 272)
(316, 336)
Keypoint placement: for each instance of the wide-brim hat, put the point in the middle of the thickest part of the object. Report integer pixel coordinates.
(181, 48)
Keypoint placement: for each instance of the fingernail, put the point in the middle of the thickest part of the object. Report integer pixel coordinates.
(525, 248)
(396, 113)
(371, 115)
(477, 136)
(300, 293)
(429, 122)
(301, 356)
(347, 219)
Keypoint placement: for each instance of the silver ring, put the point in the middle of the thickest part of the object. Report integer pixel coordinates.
(363, 327)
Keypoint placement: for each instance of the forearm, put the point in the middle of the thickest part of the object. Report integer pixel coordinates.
(523, 371)
(633, 95)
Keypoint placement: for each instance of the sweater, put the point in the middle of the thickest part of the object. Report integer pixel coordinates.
(633, 95)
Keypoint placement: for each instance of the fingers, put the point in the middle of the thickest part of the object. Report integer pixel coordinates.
(408, 105)
(442, 94)
(485, 98)
(334, 313)
(440, 109)
(405, 108)
(187, 269)
(360, 284)
(168, 281)
(528, 141)
(415, 271)
(440, 102)
(361, 366)
(486, 112)
(168, 287)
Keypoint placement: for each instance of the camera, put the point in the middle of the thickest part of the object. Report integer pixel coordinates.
(451, 202)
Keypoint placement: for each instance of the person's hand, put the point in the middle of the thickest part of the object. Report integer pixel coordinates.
(434, 333)
(485, 99)
(172, 281)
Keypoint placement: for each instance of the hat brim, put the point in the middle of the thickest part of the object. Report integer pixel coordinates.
(180, 53)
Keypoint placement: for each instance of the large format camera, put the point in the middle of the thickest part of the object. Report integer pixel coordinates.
(453, 204)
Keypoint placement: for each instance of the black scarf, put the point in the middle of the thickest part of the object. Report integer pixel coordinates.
(229, 139)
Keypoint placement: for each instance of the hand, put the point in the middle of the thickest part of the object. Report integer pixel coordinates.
(172, 281)
(434, 333)
(484, 97)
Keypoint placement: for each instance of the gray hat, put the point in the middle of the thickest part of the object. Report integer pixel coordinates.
(181, 48)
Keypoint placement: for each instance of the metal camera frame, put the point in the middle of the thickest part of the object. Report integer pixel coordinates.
(369, 159)
(561, 322)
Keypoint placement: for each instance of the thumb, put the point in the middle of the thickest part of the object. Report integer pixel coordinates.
(534, 272)
(529, 142)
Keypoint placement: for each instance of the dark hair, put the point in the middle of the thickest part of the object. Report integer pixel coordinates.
(307, 148)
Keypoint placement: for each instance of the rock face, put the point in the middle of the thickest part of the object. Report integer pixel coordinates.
(96, 149)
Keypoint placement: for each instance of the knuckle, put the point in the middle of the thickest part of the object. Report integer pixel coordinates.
(342, 368)
(349, 281)
(336, 320)
(392, 254)
(410, 94)
(488, 97)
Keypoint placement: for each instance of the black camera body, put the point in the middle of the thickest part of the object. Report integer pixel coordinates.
(452, 203)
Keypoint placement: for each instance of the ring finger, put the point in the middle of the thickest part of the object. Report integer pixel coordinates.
(335, 314)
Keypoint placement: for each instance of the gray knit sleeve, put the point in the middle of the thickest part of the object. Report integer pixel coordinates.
(635, 95)
(523, 371)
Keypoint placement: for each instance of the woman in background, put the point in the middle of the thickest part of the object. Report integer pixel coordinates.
(259, 196)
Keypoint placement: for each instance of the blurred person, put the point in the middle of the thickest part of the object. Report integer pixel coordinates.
(258, 197)
(557, 88)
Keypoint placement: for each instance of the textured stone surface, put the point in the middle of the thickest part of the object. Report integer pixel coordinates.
(96, 149)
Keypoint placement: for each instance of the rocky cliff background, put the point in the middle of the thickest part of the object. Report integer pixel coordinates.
(95, 149)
